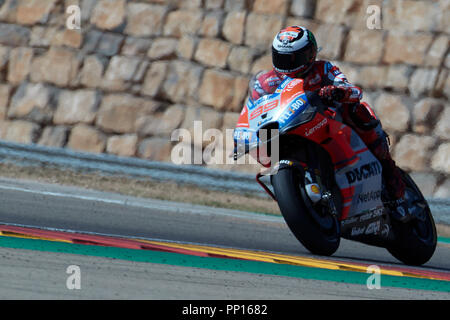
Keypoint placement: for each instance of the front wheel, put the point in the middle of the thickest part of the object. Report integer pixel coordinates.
(315, 228)
(415, 241)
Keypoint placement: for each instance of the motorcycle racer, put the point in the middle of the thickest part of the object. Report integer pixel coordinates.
(294, 52)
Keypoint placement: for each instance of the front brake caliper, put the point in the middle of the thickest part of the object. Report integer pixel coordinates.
(312, 188)
(327, 200)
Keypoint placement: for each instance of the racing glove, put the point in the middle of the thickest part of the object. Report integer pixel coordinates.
(335, 93)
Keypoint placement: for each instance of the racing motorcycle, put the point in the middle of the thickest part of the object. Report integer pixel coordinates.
(326, 181)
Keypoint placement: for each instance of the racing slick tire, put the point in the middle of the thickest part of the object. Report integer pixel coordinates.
(319, 233)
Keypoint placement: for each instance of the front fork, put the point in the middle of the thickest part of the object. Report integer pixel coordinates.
(317, 193)
(313, 185)
(273, 170)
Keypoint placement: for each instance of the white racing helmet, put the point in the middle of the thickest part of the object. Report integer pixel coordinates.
(294, 50)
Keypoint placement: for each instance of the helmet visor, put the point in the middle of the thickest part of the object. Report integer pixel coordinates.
(287, 62)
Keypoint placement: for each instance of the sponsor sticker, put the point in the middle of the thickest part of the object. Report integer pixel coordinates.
(364, 172)
(315, 189)
(369, 196)
(367, 215)
(373, 227)
(316, 127)
(292, 84)
(287, 162)
(356, 231)
(292, 110)
(336, 72)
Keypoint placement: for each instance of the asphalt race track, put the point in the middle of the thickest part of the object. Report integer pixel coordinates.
(193, 252)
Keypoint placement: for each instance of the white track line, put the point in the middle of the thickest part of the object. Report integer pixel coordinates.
(153, 204)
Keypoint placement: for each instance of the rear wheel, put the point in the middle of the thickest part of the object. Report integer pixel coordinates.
(312, 225)
(415, 240)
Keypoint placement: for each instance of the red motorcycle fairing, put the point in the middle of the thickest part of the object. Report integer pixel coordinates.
(357, 171)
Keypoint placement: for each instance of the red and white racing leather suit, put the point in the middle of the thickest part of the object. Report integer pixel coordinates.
(321, 74)
(354, 113)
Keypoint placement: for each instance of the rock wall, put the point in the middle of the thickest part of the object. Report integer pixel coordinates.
(137, 70)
